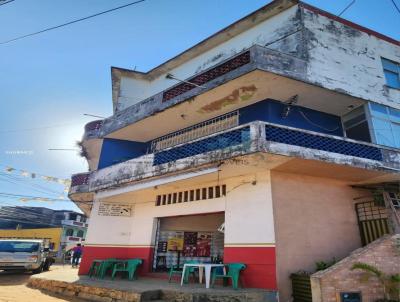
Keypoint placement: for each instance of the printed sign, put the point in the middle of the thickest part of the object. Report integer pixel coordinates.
(175, 244)
(203, 244)
(115, 209)
(162, 247)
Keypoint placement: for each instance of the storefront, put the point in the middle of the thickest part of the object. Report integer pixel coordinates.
(187, 238)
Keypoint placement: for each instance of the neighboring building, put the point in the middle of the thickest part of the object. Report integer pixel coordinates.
(62, 227)
(74, 227)
(53, 235)
(276, 149)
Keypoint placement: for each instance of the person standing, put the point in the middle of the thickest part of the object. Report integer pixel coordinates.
(77, 253)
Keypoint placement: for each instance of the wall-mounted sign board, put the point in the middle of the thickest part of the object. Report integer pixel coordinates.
(350, 297)
(115, 209)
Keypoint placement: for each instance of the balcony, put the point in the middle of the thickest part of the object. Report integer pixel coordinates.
(74, 223)
(71, 239)
(247, 139)
(252, 75)
(92, 129)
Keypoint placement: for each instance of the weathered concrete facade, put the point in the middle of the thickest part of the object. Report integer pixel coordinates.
(261, 108)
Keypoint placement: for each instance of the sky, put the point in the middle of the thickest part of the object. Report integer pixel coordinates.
(48, 81)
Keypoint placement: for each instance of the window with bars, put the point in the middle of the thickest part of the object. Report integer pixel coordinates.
(395, 197)
(203, 193)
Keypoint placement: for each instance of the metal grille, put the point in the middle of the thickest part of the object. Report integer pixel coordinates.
(209, 127)
(372, 221)
(191, 195)
(207, 76)
(80, 179)
(395, 199)
(301, 287)
(307, 140)
(220, 141)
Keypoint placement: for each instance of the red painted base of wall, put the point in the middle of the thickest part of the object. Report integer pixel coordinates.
(91, 253)
(260, 263)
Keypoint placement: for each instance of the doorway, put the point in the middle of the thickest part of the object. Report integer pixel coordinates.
(188, 238)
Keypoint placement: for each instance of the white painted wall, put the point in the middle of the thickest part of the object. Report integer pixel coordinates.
(346, 59)
(247, 207)
(340, 58)
(132, 91)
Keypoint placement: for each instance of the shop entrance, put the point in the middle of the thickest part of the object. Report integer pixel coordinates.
(185, 238)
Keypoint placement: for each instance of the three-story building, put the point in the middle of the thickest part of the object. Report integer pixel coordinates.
(268, 143)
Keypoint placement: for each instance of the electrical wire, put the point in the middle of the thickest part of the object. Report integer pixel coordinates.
(37, 174)
(34, 187)
(6, 2)
(315, 124)
(346, 8)
(395, 5)
(71, 22)
(37, 128)
(32, 197)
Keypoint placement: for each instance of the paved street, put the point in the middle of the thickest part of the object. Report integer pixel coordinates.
(13, 289)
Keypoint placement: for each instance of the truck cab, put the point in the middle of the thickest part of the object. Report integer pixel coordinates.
(25, 254)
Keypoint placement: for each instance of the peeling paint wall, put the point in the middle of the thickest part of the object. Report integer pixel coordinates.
(281, 32)
(348, 60)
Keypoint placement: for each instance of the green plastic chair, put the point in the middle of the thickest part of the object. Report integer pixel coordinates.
(105, 266)
(233, 273)
(128, 266)
(175, 270)
(95, 268)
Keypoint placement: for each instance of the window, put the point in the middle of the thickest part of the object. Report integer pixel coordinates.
(356, 125)
(69, 232)
(385, 125)
(80, 234)
(392, 73)
(395, 197)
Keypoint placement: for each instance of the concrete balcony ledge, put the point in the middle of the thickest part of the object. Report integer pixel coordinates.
(92, 129)
(238, 141)
(79, 183)
(260, 58)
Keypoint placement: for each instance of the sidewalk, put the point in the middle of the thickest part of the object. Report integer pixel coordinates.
(65, 281)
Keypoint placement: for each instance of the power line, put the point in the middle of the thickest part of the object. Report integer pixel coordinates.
(37, 128)
(33, 189)
(395, 5)
(5, 2)
(23, 180)
(72, 22)
(346, 8)
(32, 197)
(22, 171)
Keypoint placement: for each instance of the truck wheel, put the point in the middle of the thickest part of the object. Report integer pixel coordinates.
(38, 270)
(46, 266)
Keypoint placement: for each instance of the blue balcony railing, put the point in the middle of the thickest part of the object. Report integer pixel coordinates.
(216, 142)
(320, 142)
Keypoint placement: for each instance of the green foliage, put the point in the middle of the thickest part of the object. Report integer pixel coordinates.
(322, 265)
(390, 283)
(368, 268)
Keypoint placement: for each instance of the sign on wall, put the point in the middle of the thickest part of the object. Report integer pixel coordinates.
(115, 209)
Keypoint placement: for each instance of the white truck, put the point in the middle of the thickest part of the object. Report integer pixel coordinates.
(25, 255)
